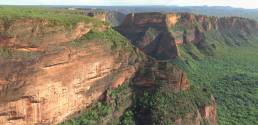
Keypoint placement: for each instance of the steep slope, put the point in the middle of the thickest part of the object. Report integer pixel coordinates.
(160, 34)
(56, 64)
(49, 71)
(115, 17)
(153, 77)
(218, 54)
(164, 96)
(158, 94)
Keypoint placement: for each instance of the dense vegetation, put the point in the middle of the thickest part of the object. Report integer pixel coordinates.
(226, 66)
(156, 105)
(92, 116)
(163, 106)
(231, 73)
(228, 71)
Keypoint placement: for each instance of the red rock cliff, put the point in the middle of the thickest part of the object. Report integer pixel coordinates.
(155, 72)
(159, 34)
(44, 79)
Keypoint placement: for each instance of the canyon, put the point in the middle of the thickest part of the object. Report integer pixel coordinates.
(51, 73)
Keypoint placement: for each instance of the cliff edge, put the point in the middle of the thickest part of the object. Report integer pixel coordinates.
(161, 34)
(56, 63)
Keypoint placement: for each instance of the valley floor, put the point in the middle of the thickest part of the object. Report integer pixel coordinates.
(232, 77)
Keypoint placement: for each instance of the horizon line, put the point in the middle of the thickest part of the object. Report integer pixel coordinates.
(123, 5)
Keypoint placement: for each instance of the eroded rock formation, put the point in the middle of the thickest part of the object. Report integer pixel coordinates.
(155, 72)
(60, 80)
(167, 78)
(31, 33)
(160, 34)
(47, 75)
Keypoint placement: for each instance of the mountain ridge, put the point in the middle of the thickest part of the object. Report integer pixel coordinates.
(182, 28)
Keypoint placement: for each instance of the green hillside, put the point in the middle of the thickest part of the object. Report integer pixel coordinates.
(231, 74)
(55, 16)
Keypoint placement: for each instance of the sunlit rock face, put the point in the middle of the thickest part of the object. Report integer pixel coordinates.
(47, 79)
(54, 80)
(160, 34)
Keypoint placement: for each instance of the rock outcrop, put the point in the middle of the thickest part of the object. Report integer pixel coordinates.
(160, 34)
(209, 112)
(205, 115)
(29, 33)
(59, 79)
(163, 77)
(50, 72)
(154, 73)
(149, 32)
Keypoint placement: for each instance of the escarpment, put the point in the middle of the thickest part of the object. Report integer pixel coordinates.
(48, 73)
(164, 96)
(155, 72)
(161, 34)
(51, 71)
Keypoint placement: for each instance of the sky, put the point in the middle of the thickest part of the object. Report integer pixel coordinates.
(251, 4)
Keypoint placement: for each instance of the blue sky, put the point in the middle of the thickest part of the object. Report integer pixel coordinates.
(233, 3)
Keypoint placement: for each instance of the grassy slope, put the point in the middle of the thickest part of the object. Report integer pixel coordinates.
(56, 16)
(61, 17)
(232, 76)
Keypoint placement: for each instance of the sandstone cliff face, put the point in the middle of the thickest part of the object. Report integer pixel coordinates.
(151, 33)
(49, 72)
(159, 36)
(154, 73)
(29, 33)
(170, 30)
(59, 81)
(150, 19)
(209, 112)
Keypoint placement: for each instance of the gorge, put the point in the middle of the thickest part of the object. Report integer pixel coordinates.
(62, 67)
